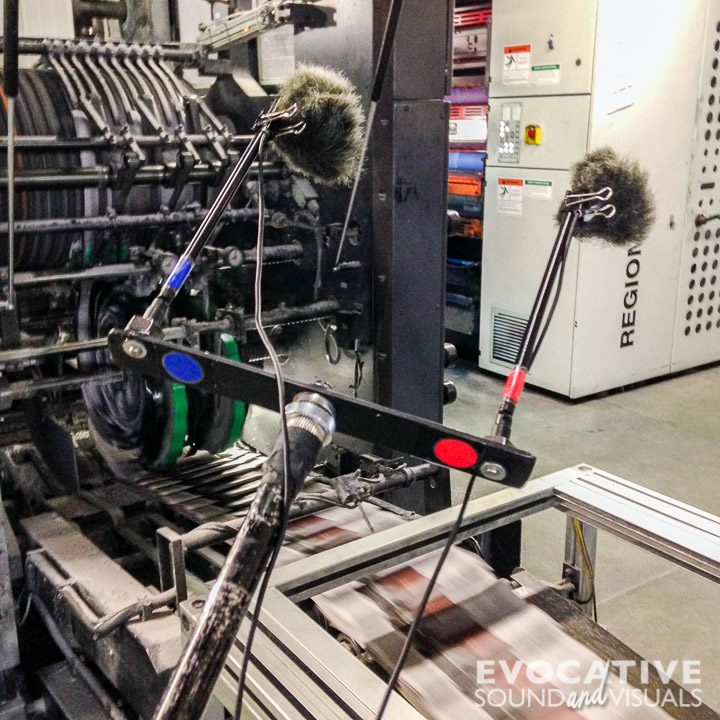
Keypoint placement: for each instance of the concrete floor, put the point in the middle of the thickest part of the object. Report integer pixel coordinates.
(665, 436)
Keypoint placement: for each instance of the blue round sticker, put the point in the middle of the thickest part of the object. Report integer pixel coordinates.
(183, 368)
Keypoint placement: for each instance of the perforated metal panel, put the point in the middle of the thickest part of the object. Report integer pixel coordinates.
(697, 336)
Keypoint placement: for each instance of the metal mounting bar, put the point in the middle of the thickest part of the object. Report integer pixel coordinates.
(367, 421)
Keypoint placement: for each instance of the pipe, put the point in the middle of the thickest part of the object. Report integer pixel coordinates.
(104, 9)
(301, 313)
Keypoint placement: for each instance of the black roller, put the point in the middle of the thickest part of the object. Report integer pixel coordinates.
(43, 109)
(128, 416)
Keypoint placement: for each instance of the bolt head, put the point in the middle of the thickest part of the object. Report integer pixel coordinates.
(493, 471)
(134, 349)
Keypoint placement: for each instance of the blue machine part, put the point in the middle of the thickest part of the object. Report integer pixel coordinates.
(182, 368)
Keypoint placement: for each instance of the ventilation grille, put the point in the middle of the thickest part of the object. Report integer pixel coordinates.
(507, 336)
(703, 302)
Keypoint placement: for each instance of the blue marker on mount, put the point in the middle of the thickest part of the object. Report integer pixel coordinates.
(183, 368)
(178, 275)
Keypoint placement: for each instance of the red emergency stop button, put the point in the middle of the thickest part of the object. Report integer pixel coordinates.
(533, 135)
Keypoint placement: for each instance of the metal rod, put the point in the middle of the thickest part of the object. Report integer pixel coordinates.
(386, 48)
(101, 272)
(279, 316)
(10, 357)
(11, 86)
(107, 176)
(109, 222)
(52, 142)
(356, 183)
(24, 389)
(77, 665)
(11, 201)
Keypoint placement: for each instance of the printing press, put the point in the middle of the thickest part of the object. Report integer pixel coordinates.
(137, 400)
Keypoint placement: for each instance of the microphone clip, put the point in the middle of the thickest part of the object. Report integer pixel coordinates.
(278, 122)
(590, 205)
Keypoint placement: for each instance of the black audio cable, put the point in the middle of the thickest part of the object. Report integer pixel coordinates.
(424, 601)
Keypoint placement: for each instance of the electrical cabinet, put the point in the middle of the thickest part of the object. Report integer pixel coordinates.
(579, 75)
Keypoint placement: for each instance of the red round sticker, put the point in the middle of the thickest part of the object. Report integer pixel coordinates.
(455, 453)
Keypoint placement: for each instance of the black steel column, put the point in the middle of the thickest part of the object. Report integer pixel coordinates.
(409, 151)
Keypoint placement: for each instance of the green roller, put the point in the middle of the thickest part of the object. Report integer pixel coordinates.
(231, 351)
(176, 426)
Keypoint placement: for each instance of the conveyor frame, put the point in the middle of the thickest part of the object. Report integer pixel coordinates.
(300, 671)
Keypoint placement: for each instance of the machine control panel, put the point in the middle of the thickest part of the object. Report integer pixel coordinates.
(509, 133)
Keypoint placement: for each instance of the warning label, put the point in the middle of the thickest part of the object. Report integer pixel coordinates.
(509, 196)
(516, 64)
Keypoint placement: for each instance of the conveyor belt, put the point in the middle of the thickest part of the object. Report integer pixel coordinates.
(472, 616)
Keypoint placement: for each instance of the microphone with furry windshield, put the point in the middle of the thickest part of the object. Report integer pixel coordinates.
(316, 125)
(610, 200)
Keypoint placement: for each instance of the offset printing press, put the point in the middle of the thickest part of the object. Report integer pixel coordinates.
(159, 556)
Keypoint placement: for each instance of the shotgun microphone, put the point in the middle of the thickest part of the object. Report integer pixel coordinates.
(630, 196)
(330, 145)
(316, 125)
(610, 200)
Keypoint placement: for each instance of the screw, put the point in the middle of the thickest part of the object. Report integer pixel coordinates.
(197, 604)
(134, 349)
(493, 471)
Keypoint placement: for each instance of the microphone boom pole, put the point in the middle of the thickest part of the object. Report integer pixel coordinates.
(574, 207)
(269, 125)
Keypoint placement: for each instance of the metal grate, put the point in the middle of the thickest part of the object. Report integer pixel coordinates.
(703, 302)
(507, 333)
